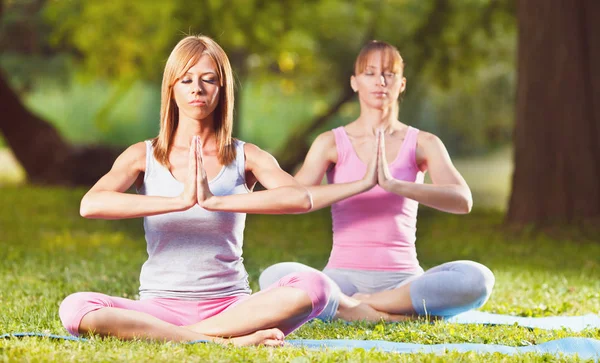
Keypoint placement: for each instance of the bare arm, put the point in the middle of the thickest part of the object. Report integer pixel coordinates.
(449, 191)
(320, 157)
(107, 198)
(283, 195)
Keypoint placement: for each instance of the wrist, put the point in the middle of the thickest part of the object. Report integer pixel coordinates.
(182, 203)
(366, 184)
(388, 184)
(210, 203)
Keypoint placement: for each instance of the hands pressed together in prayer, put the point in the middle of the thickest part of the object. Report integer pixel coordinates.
(196, 189)
(378, 171)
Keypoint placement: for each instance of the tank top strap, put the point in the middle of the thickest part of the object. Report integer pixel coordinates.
(150, 160)
(240, 158)
(342, 144)
(411, 138)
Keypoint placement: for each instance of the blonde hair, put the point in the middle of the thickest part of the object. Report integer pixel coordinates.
(185, 54)
(392, 60)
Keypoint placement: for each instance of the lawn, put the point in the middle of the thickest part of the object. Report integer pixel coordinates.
(48, 252)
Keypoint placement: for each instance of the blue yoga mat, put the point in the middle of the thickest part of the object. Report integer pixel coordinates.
(585, 348)
(575, 323)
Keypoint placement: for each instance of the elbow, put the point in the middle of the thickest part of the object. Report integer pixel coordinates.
(303, 201)
(467, 203)
(468, 206)
(85, 208)
(84, 211)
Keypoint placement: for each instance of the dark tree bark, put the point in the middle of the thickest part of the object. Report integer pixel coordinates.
(45, 156)
(557, 128)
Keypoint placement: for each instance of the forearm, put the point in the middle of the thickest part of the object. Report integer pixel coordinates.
(282, 200)
(116, 205)
(326, 195)
(455, 199)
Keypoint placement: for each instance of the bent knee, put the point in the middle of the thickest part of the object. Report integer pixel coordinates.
(275, 272)
(478, 284)
(75, 306)
(314, 284)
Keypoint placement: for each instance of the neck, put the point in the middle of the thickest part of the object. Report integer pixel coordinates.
(188, 128)
(372, 119)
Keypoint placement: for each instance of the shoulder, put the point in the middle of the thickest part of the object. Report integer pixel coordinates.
(257, 156)
(427, 140)
(325, 146)
(324, 140)
(133, 157)
(429, 148)
(251, 150)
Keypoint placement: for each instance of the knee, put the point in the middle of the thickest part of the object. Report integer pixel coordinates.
(75, 306)
(312, 283)
(479, 283)
(275, 272)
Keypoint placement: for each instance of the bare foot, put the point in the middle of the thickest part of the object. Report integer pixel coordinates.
(353, 309)
(269, 337)
(359, 296)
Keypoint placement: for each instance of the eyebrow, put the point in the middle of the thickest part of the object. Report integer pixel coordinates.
(377, 67)
(202, 74)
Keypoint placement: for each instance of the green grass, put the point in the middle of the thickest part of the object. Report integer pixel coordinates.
(48, 252)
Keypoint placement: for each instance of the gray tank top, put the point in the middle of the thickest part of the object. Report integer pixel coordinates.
(195, 254)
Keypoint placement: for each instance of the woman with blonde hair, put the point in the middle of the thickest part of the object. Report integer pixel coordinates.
(373, 268)
(194, 184)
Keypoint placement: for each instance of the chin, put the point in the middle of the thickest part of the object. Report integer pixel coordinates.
(379, 105)
(197, 115)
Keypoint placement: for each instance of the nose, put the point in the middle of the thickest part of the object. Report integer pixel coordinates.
(197, 88)
(382, 80)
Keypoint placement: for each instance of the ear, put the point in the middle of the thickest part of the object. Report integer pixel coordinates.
(353, 84)
(403, 85)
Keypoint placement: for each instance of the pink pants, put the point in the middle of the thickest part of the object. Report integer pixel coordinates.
(188, 312)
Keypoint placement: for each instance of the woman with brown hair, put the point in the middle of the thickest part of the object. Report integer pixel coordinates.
(373, 268)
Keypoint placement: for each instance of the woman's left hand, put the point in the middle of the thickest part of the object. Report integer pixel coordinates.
(202, 188)
(384, 177)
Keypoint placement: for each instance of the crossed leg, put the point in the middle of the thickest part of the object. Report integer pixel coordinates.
(258, 319)
(442, 291)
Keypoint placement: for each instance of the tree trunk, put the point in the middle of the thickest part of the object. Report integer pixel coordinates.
(45, 156)
(557, 127)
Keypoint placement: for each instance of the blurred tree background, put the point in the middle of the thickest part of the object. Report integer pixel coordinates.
(91, 70)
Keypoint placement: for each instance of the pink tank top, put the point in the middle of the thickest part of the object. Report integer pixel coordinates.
(375, 230)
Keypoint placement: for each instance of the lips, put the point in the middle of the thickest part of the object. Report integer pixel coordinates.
(197, 103)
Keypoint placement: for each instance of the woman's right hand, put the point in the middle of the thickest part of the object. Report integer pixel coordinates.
(189, 197)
